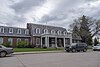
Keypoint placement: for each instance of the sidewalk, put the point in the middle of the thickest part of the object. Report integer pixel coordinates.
(37, 52)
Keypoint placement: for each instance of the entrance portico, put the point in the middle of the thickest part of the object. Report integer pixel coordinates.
(54, 41)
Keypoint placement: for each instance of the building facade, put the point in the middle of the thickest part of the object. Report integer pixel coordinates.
(13, 35)
(49, 36)
(36, 35)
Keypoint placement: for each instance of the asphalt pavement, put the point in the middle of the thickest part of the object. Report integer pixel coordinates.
(57, 59)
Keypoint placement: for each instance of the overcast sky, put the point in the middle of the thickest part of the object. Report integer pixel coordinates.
(55, 12)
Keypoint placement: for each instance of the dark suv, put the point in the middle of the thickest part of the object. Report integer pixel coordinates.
(76, 47)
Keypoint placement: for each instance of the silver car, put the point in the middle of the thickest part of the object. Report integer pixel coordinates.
(96, 48)
(5, 51)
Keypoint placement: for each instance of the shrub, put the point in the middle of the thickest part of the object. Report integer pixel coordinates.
(38, 46)
(44, 47)
(21, 44)
(7, 44)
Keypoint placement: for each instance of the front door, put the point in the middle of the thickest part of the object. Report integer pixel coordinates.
(60, 42)
(37, 42)
(52, 42)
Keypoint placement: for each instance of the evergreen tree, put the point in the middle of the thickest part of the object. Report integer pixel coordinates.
(86, 28)
(84, 31)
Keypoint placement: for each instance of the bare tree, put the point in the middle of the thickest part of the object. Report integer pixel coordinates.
(86, 28)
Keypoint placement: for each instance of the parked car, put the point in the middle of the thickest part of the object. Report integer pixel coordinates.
(96, 48)
(5, 51)
(76, 47)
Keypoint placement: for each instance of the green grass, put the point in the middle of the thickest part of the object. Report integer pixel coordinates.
(35, 49)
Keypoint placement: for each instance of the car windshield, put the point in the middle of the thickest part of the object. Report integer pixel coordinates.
(98, 45)
(73, 44)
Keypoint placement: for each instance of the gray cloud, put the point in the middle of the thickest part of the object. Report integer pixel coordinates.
(26, 5)
(47, 18)
(15, 20)
(62, 14)
(12, 11)
(68, 10)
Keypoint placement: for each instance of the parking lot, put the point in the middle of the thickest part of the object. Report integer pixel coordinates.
(63, 59)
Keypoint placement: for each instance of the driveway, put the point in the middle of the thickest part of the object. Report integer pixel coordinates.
(63, 59)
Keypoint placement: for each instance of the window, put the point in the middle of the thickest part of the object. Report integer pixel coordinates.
(10, 30)
(1, 40)
(27, 41)
(26, 31)
(64, 32)
(45, 31)
(19, 31)
(18, 40)
(10, 40)
(38, 31)
(52, 31)
(37, 41)
(59, 32)
(1, 30)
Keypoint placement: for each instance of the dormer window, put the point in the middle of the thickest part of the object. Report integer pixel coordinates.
(52, 31)
(37, 30)
(26, 31)
(59, 32)
(64, 32)
(19, 31)
(45, 31)
(10, 30)
(1, 30)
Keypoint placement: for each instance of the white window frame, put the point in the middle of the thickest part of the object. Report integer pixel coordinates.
(45, 31)
(65, 33)
(37, 41)
(10, 40)
(19, 31)
(59, 32)
(26, 31)
(37, 31)
(10, 30)
(1, 40)
(18, 40)
(2, 29)
(53, 32)
(27, 41)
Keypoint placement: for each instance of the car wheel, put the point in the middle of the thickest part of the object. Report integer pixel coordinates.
(2, 54)
(94, 50)
(67, 51)
(78, 50)
(73, 50)
(84, 50)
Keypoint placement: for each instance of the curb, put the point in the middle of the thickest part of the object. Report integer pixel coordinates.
(36, 52)
(40, 52)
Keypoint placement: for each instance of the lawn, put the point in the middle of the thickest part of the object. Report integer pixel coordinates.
(35, 49)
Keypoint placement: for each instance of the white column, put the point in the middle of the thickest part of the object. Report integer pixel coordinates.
(56, 41)
(64, 42)
(41, 41)
(46, 41)
(70, 41)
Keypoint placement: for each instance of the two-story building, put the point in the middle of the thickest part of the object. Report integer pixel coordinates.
(13, 35)
(36, 35)
(49, 36)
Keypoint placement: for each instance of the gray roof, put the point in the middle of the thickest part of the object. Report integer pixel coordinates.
(15, 30)
(42, 27)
